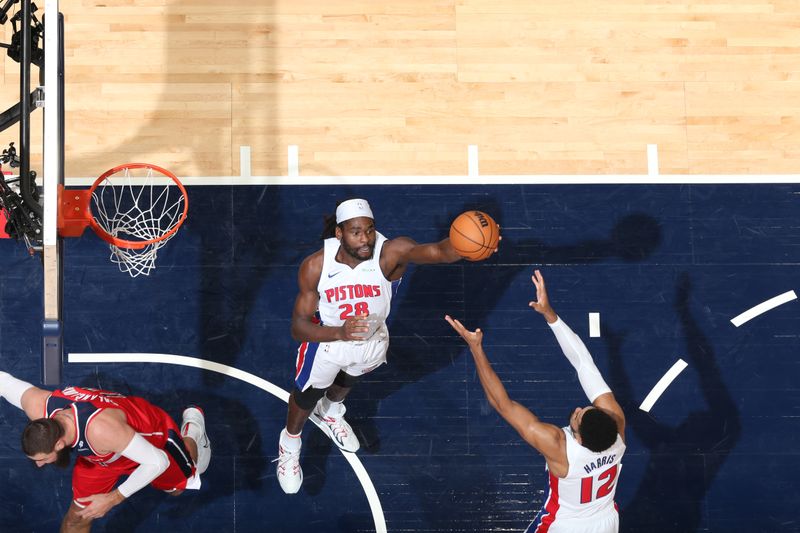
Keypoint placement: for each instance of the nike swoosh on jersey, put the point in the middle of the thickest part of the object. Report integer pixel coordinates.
(331, 274)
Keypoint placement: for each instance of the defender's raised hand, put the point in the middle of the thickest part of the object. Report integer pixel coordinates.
(473, 338)
(542, 302)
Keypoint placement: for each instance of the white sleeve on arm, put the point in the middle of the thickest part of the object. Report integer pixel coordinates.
(577, 354)
(152, 463)
(12, 389)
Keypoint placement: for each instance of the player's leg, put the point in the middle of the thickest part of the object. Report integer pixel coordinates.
(73, 523)
(289, 472)
(183, 470)
(89, 479)
(317, 367)
(195, 438)
(340, 388)
(329, 413)
(300, 405)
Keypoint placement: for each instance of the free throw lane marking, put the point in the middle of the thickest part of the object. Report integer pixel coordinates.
(168, 359)
(662, 385)
(763, 307)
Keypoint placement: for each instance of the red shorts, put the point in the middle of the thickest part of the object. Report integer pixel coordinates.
(90, 478)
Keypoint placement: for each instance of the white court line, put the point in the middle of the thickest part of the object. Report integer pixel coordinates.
(484, 179)
(763, 307)
(51, 121)
(472, 160)
(652, 160)
(662, 385)
(293, 168)
(355, 462)
(594, 324)
(244, 162)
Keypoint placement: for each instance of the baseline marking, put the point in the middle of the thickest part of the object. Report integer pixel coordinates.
(662, 385)
(544, 179)
(763, 307)
(355, 462)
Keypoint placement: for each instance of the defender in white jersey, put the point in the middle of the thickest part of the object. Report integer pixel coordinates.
(339, 316)
(584, 458)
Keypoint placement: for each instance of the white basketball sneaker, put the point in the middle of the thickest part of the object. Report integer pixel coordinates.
(290, 474)
(336, 427)
(194, 427)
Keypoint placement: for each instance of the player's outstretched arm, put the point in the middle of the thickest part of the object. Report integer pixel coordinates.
(546, 438)
(404, 250)
(23, 395)
(595, 387)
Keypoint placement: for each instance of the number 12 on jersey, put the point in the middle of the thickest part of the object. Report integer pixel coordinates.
(587, 494)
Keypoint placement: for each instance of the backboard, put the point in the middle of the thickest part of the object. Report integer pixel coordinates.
(53, 176)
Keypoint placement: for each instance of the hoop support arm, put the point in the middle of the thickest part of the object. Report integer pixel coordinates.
(74, 214)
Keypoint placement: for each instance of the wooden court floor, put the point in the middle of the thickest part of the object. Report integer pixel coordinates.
(377, 87)
(371, 87)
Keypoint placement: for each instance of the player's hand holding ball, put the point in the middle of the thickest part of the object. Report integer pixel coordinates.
(474, 235)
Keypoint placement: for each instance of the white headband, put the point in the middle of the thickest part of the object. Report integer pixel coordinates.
(352, 209)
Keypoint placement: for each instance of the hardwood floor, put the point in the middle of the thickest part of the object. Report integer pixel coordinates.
(402, 87)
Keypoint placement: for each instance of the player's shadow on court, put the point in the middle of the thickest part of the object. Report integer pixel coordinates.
(237, 257)
(235, 439)
(683, 460)
(416, 325)
(422, 344)
(633, 238)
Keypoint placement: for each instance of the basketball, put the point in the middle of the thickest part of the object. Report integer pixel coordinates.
(474, 235)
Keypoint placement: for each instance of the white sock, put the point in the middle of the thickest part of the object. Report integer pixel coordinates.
(289, 442)
(331, 408)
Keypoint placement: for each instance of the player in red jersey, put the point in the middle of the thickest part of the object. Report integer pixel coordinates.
(113, 436)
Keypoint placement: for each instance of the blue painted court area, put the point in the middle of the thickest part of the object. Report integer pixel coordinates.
(666, 267)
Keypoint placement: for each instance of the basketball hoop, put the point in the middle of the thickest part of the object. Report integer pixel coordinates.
(136, 208)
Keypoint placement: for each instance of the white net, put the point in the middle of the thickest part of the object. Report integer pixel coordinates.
(141, 209)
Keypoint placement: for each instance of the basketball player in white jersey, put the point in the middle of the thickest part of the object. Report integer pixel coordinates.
(339, 316)
(583, 458)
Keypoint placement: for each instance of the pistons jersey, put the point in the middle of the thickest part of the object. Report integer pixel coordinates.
(346, 292)
(587, 491)
(145, 418)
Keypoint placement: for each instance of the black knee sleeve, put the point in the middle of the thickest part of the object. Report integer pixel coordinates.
(345, 380)
(308, 398)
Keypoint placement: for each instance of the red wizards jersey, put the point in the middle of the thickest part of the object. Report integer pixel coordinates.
(151, 422)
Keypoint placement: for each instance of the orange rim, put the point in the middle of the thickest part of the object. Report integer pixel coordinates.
(137, 245)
